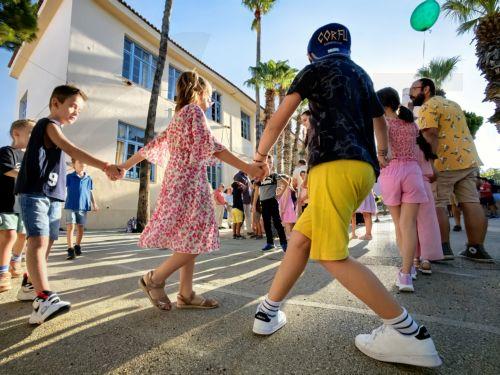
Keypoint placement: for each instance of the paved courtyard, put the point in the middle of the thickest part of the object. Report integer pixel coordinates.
(112, 327)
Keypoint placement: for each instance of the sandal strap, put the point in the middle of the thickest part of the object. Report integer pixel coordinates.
(205, 302)
(151, 284)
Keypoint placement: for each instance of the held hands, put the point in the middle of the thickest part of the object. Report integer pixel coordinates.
(258, 170)
(115, 172)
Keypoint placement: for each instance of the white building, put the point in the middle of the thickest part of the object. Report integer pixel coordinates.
(108, 49)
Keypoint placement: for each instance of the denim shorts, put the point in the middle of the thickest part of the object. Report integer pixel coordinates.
(76, 217)
(41, 215)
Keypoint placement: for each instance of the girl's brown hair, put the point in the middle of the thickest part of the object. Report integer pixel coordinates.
(21, 124)
(189, 85)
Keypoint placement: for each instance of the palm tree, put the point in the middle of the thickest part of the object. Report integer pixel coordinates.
(298, 126)
(439, 70)
(285, 79)
(143, 211)
(259, 8)
(483, 18)
(18, 23)
(266, 75)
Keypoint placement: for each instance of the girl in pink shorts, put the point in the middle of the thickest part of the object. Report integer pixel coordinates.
(402, 182)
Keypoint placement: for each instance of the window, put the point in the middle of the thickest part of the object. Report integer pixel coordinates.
(129, 140)
(23, 106)
(260, 130)
(215, 111)
(214, 174)
(245, 125)
(173, 76)
(138, 65)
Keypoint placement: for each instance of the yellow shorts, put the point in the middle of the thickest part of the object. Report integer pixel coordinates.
(237, 215)
(336, 189)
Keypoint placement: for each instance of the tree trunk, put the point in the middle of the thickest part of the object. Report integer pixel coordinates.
(287, 148)
(257, 90)
(280, 144)
(487, 45)
(143, 210)
(295, 150)
(269, 109)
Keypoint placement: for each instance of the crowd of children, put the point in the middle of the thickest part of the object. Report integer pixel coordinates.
(310, 210)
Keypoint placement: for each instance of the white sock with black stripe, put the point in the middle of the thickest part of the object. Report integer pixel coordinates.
(404, 324)
(269, 307)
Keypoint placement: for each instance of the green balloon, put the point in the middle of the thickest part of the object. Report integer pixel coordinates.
(425, 15)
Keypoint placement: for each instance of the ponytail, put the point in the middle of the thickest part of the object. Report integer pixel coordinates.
(389, 97)
(405, 114)
(189, 85)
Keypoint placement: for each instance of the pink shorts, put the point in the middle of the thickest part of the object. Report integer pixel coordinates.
(402, 182)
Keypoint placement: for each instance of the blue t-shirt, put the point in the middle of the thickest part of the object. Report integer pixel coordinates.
(78, 198)
(343, 104)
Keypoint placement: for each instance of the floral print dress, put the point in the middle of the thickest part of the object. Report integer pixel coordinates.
(184, 219)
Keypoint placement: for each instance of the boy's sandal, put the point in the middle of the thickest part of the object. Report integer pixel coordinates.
(147, 285)
(425, 267)
(196, 302)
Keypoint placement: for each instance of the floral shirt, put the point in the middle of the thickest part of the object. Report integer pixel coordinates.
(456, 149)
(402, 139)
(184, 219)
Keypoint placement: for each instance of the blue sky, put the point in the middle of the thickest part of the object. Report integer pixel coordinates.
(218, 32)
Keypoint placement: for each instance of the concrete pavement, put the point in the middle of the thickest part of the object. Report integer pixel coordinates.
(112, 327)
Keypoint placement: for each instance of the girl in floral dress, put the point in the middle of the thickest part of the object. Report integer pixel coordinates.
(184, 219)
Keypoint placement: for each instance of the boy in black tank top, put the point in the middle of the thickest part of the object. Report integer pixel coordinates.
(41, 185)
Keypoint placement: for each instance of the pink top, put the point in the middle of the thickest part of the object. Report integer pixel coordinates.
(219, 198)
(184, 218)
(402, 139)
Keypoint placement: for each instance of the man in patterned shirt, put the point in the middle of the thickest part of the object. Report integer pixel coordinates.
(444, 126)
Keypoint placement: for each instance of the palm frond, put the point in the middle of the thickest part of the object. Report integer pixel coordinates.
(255, 24)
(468, 12)
(265, 74)
(467, 26)
(439, 70)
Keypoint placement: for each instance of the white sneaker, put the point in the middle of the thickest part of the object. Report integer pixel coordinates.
(26, 292)
(413, 273)
(388, 345)
(404, 282)
(44, 310)
(267, 325)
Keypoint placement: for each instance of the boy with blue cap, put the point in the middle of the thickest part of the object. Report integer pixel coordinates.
(344, 163)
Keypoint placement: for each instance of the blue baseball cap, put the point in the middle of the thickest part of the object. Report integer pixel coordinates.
(330, 40)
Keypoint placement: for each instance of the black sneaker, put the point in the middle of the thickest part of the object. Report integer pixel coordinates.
(78, 250)
(447, 252)
(457, 228)
(71, 254)
(477, 254)
(242, 237)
